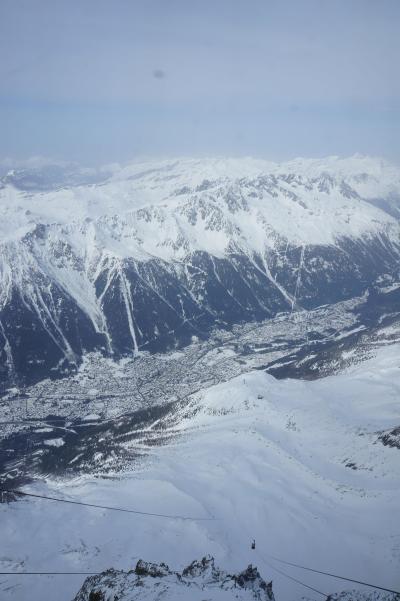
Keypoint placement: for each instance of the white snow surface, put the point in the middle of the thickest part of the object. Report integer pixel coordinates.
(54, 442)
(107, 214)
(265, 458)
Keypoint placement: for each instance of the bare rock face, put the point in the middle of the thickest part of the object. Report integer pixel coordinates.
(373, 595)
(198, 581)
(391, 438)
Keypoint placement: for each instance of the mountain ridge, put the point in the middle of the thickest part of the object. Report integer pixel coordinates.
(157, 253)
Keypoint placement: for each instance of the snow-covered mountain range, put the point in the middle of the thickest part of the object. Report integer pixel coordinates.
(145, 256)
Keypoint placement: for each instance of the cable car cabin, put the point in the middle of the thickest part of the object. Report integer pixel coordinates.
(253, 544)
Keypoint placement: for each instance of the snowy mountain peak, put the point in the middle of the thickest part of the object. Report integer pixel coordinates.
(304, 201)
(200, 580)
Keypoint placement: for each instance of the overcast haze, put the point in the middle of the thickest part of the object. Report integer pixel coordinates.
(98, 81)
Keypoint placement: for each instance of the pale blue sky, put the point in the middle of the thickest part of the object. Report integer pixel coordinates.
(99, 81)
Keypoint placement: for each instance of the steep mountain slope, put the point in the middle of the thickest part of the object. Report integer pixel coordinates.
(158, 252)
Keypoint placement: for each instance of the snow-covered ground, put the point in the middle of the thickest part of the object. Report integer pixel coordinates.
(146, 210)
(297, 465)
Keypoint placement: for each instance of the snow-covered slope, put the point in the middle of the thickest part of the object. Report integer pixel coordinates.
(159, 251)
(303, 467)
(332, 189)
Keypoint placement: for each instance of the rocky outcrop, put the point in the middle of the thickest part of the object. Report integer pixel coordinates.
(198, 581)
(373, 595)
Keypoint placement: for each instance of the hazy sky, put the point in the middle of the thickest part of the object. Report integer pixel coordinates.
(107, 80)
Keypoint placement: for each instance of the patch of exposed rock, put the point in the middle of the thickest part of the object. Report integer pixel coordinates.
(199, 581)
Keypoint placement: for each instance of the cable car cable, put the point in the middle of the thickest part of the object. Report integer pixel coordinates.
(136, 511)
